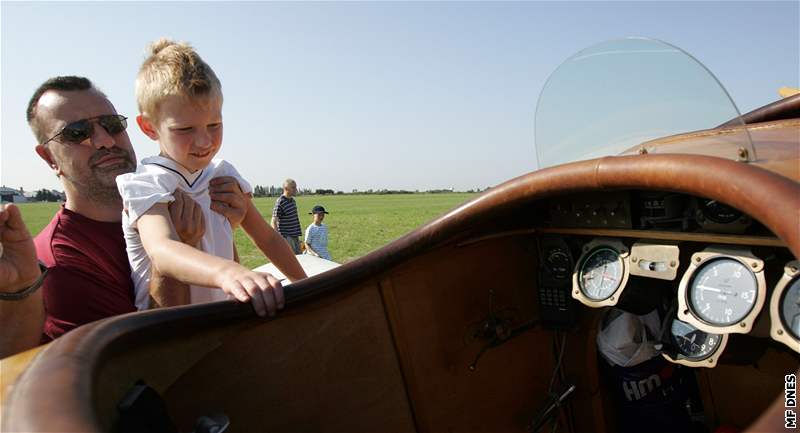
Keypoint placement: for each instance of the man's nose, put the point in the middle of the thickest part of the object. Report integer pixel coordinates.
(101, 138)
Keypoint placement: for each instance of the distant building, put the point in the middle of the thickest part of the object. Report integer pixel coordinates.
(11, 195)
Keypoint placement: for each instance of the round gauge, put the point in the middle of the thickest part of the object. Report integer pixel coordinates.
(601, 273)
(558, 263)
(722, 292)
(790, 308)
(693, 343)
(718, 212)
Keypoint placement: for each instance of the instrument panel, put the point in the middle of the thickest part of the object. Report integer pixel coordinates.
(722, 291)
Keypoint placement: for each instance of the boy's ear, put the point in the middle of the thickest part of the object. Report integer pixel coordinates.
(146, 125)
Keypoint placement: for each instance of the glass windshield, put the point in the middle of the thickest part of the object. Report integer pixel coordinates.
(620, 93)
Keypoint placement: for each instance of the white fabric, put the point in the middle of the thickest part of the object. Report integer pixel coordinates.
(629, 339)
(154, 181)
(317, 239)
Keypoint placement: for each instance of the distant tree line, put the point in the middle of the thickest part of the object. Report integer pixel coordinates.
(274, 191)
(48, 195)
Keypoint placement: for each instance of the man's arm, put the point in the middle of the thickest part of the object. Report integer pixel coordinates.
(275, 211)
(272, 244)
(20, 321)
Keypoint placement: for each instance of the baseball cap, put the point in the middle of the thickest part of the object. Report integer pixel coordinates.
(317, 209)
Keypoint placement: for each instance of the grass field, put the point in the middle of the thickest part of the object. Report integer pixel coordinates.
(357, 224)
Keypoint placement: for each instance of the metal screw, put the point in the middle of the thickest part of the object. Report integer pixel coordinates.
(754, 265)
(780, 331)
(697, 259)
(634, 259)
(612, 298)
(672, 264)
(742, 154)
(576, 292)
(743, 324)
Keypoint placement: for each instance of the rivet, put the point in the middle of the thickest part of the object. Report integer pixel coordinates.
(742, 154)
(576, 292)
(672, 264)
(754, 265)
(612, 298)
(697, 259)
(743, 324)
(780, 331)
(634, 259)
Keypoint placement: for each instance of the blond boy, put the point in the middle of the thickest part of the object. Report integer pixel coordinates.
(180, 105)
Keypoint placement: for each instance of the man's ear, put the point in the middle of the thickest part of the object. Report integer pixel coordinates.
(146, 125)
(45, 154)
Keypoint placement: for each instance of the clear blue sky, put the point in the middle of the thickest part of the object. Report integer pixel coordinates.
(373, 95)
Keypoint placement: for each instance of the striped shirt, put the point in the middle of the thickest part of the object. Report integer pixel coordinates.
(285, 211)
(317, 239)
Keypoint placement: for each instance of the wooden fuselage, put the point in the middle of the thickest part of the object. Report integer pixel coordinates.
(384, 343)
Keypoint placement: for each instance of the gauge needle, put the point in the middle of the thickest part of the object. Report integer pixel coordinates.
(711, 289)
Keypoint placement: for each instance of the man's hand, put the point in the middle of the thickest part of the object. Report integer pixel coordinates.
(18, 265)
(187, 218)
(263, 290)
(228, 199)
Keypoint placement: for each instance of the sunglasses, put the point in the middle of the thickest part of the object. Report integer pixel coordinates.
(77, 132)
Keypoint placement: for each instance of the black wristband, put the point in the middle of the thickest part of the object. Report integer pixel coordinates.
(24, 293)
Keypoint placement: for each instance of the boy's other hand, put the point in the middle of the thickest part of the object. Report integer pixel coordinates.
(228, 199)
(187, 217)
(18, 265)
(263, 290)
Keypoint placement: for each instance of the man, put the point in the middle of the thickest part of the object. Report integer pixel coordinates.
(284, 216)
(83, 140)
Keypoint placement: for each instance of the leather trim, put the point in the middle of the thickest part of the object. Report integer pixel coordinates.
(55, 392)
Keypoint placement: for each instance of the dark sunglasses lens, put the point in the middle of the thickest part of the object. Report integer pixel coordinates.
(76, 132)
(113, 124)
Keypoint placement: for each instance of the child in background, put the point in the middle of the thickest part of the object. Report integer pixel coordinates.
(317, 234)
(180, 104)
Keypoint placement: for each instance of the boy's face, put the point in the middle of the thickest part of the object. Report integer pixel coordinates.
(318, 217)
(188, 131)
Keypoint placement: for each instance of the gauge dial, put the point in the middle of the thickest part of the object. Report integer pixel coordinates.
(722, 292)
(693, 343)
(790, 308)
(718, 212)
(601, 273)
(559, 264)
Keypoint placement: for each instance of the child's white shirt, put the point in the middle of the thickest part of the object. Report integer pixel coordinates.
(155, 181)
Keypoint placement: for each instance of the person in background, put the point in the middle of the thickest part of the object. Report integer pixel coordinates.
(180, 102)
(284, 216)
(82, 139)
(317, 234)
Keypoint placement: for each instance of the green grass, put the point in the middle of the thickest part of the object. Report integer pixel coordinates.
(357, 224)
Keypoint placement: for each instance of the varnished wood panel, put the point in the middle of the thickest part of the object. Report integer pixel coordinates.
(432, 308)
(324, 368)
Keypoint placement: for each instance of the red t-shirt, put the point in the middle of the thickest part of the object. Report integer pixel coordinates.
(89, 277)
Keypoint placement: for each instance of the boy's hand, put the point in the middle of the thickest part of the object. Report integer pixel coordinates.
(187, 217)
(228, 199)
(262, 289)
(18, 265)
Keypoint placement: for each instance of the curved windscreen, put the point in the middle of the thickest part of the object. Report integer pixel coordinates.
(618, 94)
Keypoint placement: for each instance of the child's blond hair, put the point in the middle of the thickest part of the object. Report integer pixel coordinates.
(173, 69)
